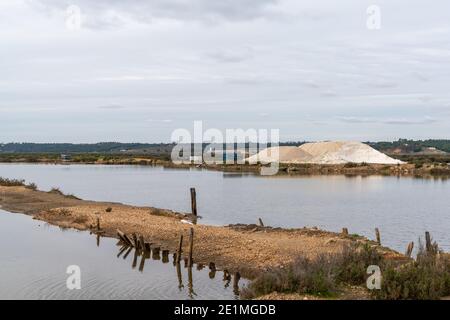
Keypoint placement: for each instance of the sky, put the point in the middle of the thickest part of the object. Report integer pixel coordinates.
(134, 71)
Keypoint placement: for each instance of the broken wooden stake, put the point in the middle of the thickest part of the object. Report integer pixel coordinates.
(155, 253)
(135, 241)
(377, 233)
(191, 246)
(180, 249)
(345, 231)
(261, 224)
(194, 202)
(122, 237)
(428, 244)
(141, 242)
(409, 250)
(98, 224)
(127, 253)
(165, 256)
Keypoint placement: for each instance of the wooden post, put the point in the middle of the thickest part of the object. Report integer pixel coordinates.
(142, 242)
(136, 241)
(212, 268)
(141, 265)
(236, 278)
(134, 264)
(180, 246)
(98, 224)
(122, 250)
(155, 253)
(165, 256)
(191, 246)
(123, 238)
(409, 249)
(345, 231)
(127, 253)
(428, 244)
(377, 233)
(194, 202)
(261, 224)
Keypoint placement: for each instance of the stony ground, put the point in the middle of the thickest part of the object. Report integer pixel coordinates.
(249, 249)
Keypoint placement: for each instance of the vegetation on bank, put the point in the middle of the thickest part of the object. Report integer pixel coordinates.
(412, 146)
(5, 182)
(427, 277)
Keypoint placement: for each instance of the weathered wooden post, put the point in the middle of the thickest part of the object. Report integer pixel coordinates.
(98, 240)
(191, 246)
(141, 265)
(236, 278)
(345, 231)
(377, 233)
(98, 224)
(136, 254)
(180, 279)
(212, 270)
(122, 250)
(127, 253)
(180, 246)
(141, 242)
(428, 244)
(194, 202)
(135, 241)
(155, 253)
(409, 250)
(165, 256)
(261, 224)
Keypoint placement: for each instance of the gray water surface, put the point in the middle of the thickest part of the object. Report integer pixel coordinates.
(402, 208)
(35, 257)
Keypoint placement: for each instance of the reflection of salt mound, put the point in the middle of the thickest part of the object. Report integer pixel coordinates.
(324, 153)
(344, 152)
(281, 154)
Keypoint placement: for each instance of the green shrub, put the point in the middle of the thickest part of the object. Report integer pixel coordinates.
(426, 278)
(321, 276)
(5, 182)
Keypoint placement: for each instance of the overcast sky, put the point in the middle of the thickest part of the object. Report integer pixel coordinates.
(136, 70)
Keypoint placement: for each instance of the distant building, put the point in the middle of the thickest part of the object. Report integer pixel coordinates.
(66, 157)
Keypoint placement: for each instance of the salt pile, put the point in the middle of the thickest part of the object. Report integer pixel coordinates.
(337, 152)
(281, 154)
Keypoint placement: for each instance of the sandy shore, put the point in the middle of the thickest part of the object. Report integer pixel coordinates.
(248, 249)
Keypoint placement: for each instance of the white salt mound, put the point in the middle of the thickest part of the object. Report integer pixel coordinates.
(280, 154)
(344, 152)
(336, 152)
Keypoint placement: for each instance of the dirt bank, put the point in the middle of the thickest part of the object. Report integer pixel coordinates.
(247, 249)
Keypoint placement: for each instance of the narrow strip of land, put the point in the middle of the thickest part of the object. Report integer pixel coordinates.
(247, 249)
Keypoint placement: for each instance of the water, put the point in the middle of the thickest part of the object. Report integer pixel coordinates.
(402, 208)
(34, 263)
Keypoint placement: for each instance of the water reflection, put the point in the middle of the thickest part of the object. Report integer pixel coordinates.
(155, 253)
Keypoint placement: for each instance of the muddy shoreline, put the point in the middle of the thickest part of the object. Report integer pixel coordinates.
(249, 249)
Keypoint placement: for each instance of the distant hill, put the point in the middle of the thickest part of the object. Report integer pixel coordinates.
(102, 147)
(402, 146)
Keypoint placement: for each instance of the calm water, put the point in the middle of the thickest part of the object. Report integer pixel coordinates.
(33, 266)
(402, 208)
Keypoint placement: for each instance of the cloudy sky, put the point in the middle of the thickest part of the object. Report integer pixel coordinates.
(136, 70)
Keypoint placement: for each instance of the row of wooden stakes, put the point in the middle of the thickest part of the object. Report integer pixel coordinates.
(428, 243)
